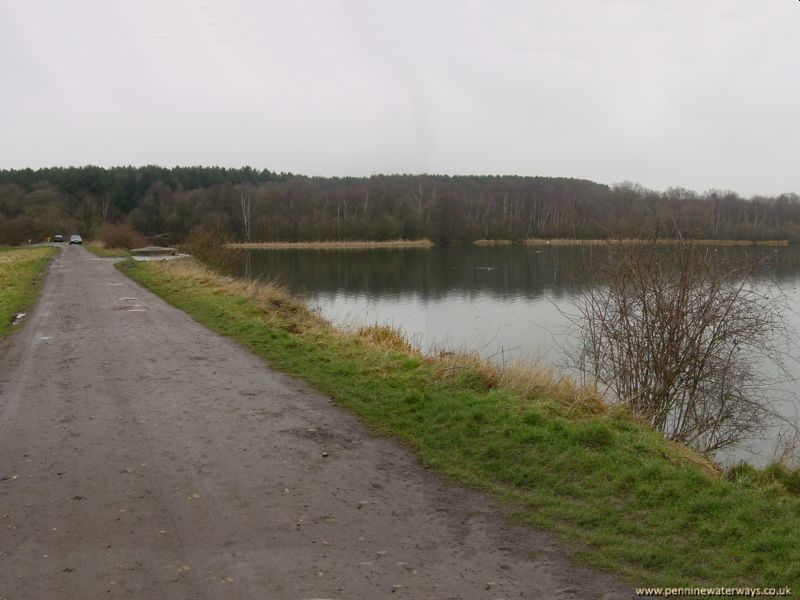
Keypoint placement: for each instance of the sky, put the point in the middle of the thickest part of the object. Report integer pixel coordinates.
(702, 94)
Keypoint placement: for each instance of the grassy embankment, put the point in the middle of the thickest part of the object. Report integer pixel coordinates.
(20, 281)
(332, 245)
(624, 497)
(98, 249)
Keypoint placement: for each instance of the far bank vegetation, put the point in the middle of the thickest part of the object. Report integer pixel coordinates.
(247, 205)
(679, 241)
(332, 245)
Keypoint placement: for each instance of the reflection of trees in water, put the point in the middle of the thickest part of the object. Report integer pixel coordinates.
(501, 271)
(248, 265)
(432, 274)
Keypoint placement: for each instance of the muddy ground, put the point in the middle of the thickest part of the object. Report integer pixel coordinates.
(142, 456)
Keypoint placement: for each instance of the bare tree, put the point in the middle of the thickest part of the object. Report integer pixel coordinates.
(246, 203)
(104, 203)
(680, 335)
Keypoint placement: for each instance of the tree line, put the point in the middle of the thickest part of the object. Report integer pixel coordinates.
(248, 204)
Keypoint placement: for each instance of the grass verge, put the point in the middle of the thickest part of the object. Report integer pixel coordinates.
(628, 500)
(20, 281)
(98, 249)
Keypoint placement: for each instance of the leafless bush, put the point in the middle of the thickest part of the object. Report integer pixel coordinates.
(209, 248)
(681, 336)
(121, 235)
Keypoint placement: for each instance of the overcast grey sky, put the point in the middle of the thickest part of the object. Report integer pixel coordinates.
(695, 93)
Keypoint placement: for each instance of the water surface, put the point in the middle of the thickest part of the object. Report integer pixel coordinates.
(504, 302)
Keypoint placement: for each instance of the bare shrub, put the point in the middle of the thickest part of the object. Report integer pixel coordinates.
(121, 235)
(210, 248)
(681, 336)
(787, 450)
(386, 338)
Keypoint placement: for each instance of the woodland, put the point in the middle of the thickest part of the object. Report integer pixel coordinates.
(169, 204)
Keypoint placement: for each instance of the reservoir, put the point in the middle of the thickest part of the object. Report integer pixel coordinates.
(507, 303)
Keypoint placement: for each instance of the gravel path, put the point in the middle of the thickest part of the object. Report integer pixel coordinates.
(142, 456)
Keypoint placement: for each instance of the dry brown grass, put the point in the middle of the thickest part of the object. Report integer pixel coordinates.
(268, 296)
(386, 338)
(772, 243)
(20, 255)
(527, 378)
(680, 454)
(533, 380)
(98, 248)
(664, 242)
(569, 242)
(493, 242)
(332, 245)
(101, 245)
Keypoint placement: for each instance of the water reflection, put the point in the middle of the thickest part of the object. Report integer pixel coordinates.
(499, 271)
(504, 302)
(503, 272)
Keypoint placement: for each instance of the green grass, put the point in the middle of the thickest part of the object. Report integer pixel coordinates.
(628, 501)
(19, 281)
(98, 250)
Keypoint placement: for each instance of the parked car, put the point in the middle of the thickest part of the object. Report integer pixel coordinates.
(75, 239)
(58, 238)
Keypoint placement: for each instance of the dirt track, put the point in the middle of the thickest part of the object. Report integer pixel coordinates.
(142, 456)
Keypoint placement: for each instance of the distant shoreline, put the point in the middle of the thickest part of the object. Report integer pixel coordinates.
(425, 243)
(666, 242)
(331, 245)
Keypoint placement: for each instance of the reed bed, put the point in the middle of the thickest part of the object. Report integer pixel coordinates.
(664, 242)
(493, 242)
(332, 245)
